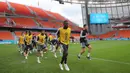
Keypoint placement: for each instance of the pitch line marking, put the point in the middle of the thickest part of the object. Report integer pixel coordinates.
(119, 62)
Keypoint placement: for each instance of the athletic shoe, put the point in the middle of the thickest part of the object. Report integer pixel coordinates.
(26, 57)
(41, 55)
(55, 55)
(61, 54)
(78, 57)
(89, 58)
(38, 61)
(30, 52)
(61, 67)
(66, 67)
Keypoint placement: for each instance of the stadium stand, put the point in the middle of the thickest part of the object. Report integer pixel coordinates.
(26, 22)
(3, 20)
(4, 8)
(39, 12)
(123, 34)
(21, 9)
(6, 35)
(108, 35)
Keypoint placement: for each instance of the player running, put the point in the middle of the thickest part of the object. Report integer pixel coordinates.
(28, 47)
(51, 45)
(34, 39)
(84, 42)
(41, 45)
(64, 37)
(21, 43)
(54, 43)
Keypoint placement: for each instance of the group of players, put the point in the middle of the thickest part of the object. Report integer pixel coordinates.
(28, 43)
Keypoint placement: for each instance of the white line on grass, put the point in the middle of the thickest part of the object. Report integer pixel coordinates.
(119, 62)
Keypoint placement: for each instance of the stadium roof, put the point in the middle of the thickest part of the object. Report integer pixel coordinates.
(96, 1)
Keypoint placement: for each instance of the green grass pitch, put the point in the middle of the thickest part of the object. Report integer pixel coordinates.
(107, 57)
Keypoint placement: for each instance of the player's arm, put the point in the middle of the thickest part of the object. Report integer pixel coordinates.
(38, 40)
(81, 34)
(31, 40)
(58, 34)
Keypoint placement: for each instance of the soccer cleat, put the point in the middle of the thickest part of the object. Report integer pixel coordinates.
(41, 55)
(78, 57)
(30, 52)
(55, 55)
(61, 67)
(66, 67)
(38, 61)
(26, 57)
(89, 58)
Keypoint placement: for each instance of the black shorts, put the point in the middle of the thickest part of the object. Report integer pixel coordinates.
(84, 44)
(21, 46)
(65, 47)
(28, 47)
(34, 43)
(41, 47)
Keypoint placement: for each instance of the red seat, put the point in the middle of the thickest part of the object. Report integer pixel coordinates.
(26, 22)
(6, 35)
(2, 20)
(40, 12)
(4, 7)
(21, 9)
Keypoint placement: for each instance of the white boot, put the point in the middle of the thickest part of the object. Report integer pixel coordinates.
(61, 67)
(66, 67)
(55, 55)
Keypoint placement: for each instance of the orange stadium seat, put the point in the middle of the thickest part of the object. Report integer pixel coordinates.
(76, 35)
(124, 33)
(21, 9)
(4, 7)
(27, 22)
(6, 35)
(108, 35)
(47, 24)
(2, 19)
(40, 12)
(58, 16)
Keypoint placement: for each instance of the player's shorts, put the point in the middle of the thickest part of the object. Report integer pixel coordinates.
(21, 46)
(65, 47)
(41, 47)
(34, 43)
(84, 44)
(28, 47)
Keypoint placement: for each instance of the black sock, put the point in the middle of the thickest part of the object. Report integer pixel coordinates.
(63, 58)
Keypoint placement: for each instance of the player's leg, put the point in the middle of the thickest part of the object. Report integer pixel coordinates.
(64, 57)
(38, 53)
(89, 51)
(19, 47)
(26, 51)
(34, 47)
(22, 48)
(82, 50)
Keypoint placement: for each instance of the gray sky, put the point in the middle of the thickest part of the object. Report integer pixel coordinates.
(70, 11)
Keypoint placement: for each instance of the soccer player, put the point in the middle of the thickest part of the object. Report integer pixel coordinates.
(25, 36)
(41, 45)
(46, 38)
(54, 43)
(51, 45)
(28, 47)
(64, 37)
(84, 43)
(34, 39)
(21, 43)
